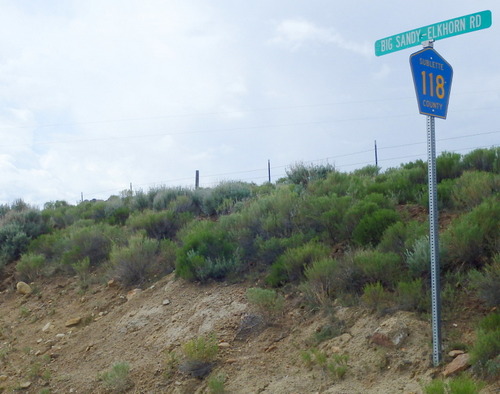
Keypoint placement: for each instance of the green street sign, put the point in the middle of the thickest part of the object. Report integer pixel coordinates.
(437, 31)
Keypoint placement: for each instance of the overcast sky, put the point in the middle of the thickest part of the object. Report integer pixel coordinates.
(96, 95)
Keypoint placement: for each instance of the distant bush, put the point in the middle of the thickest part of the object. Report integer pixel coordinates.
(18, 225)
(324, 216)
(140, 201)
(290, 266)
(159, 225)
(199, 356)
(473, 238)
(412, 296)
(448, 166)
(13, 242)
(30, 266)
(267, 251)
(302, 174)
(321, 282)
(117, 378)
(94, 242)
(164, 196)
(404, 185)
(216, 384)
(386, 268)
(138, 262)
(486, 283)
(483, 160)
(400, 236)
(457, 385)
(375, 297)
(222, 198)
(472, 188)
(203, 243)
(485, 353)
(371, 227)
(268, 303)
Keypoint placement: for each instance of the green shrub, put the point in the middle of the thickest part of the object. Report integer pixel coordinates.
(164, 196)
(202, 349)
(208, 268)
(136, 263)
(94, 242)
(472, 188)
(302, 174)
(371, 227)
(486, 283)
(375, 296)
(459, 385)
(204, 243)
(117, 379)
(399, 236)
(269, 303)
(411, 296)
(30, 266)
(485, 353)
(216, 384)
(320, 286)
(222, 198)
(490, 322)
(448, 166)
(404, 185)
(159, 225)
(13, 242)
(140, 201)
(82, 269)
(290, 266)
(324, 215)
(464, 385)
(474, 237)
(483, 160)
(386, 268)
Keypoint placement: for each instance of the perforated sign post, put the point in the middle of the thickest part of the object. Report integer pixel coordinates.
(432, 76)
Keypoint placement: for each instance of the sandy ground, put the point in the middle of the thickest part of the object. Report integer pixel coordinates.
(40, 353)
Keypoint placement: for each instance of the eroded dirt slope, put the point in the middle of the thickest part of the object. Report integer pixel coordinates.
(60, 339)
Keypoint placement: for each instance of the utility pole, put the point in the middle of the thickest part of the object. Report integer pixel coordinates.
(197, 179)
(269, 170)
(376, 156)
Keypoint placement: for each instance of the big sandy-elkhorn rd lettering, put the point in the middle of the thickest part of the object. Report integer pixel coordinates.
(437, 31)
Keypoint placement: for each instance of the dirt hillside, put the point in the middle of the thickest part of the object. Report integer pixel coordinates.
(60, 339)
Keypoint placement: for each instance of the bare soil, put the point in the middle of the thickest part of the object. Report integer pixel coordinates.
(39, 353)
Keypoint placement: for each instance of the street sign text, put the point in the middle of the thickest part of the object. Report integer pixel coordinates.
(437, 31)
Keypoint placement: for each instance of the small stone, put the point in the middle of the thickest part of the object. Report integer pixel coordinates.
(455, 353)
(112, 283)
(166, 302)
(231, 360)
(391, 333)
(73, 322)
(23, 288)
(3, 378)
(24, 385)
(60, 336)
(132, 293)
(224, 344)
(336, 349)
(46, 327)
(271, 348)
(39, 340)
(459, 364)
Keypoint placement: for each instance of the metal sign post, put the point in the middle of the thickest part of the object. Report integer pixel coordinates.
(432, 76)
(434, 242)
